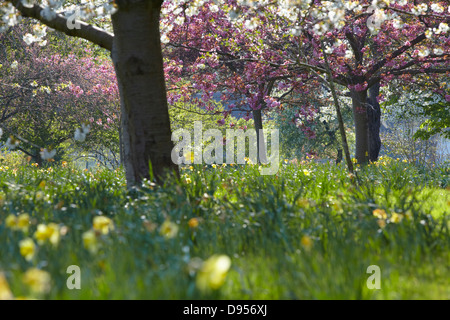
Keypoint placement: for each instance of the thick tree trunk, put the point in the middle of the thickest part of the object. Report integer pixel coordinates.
(374, 122)
(359, 100)
(261, 146)
(138, 62)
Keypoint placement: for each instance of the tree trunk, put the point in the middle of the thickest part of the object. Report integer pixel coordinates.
(359, 99)
(261, 146)
(374, 122)
(138, 63)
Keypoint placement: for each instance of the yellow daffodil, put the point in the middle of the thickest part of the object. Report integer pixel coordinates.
(50, 232)
(306, 242)
(38, 280)
(379, 213)
(169, 229)
(90, 241)
(381, 223)
(213, 273)
(396, 218)
(23, 222)
(5, 292)
(11, 221)
(27, 248)
(193, 223)
(103, 224)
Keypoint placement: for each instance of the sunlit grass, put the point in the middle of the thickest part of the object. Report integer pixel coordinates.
(304, 233)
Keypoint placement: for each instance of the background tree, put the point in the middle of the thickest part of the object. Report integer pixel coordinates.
(47, 93)
(136, 53)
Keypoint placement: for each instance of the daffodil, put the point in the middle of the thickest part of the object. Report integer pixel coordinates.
(306, 242)
(193, 223)
(90, 241)
(11, 221)
(381, 223)
(5, 291)
(169, 229)
(379, 213)
(23, 222)
(50, 232)
(103, 224)
(27, 248)
(38, 280)
(213, 272)
(396, 218)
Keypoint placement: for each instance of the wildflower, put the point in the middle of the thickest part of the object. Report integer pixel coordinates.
(379, 213)
(38, 280)
(213, 273)
(90, 241)
(5, 292)
(193, 223)
(27, 248)
(396, 218)
(14, 65)
(103, 224)
(64, 164)
(11, 221)
(40, 195)
(306, 242)
(381, 223)
(169, 229)
(23, 221)
(49, 233)
(306, 172)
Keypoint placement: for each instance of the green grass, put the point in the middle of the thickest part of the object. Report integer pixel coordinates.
(262, 223)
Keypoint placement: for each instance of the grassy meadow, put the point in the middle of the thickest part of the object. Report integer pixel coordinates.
(226, 232)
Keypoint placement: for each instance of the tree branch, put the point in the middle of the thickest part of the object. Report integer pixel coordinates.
(86, 31)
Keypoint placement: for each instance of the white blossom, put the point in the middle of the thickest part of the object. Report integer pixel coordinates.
(28, 3)
(80, 134)
(438, 51)
(47, 154)
(12, 143)
(29, 38)
(436, 7)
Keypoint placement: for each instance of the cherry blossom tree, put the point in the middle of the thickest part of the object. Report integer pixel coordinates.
(47, 94)
(136, 53)
(275, 50)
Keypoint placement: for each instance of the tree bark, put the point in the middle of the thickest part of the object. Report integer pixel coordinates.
(374, 122)
(138, 62)
(359, 100)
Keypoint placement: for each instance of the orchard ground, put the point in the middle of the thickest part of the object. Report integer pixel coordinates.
(226, 232)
